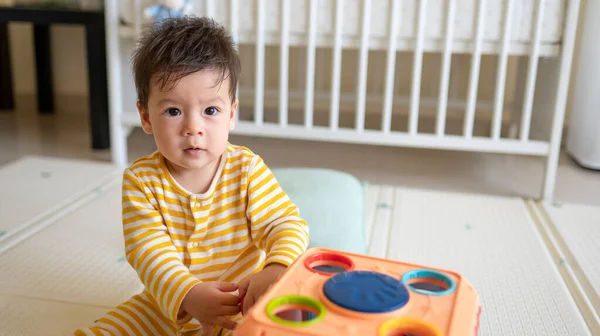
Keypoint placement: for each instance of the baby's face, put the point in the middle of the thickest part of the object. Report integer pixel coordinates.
(190, 121)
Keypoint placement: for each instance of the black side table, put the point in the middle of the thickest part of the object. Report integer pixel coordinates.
(42, 18)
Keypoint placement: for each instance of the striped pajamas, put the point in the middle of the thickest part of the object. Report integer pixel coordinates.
(175, 239)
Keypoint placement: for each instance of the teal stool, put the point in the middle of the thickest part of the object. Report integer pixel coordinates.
(331, 202)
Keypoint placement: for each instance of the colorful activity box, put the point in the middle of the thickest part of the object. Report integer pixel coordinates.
(330, 292)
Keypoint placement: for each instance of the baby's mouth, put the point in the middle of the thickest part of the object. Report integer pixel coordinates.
(193, 149)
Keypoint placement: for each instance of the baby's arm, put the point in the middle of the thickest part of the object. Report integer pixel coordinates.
(149, 248)
(275, 223)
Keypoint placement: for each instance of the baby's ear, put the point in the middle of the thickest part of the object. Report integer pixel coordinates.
(232, 116)
(144, 118)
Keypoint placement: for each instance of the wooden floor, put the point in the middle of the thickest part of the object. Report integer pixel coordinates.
(61, 258)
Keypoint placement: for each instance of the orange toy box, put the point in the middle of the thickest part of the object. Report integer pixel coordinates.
(329, 292)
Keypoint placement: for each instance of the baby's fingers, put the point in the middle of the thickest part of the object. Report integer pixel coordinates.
(248, 303)
(243, 288)
(227, 299)
(225, 323)
(228, 310)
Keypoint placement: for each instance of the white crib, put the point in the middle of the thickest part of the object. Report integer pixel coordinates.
(412, 73)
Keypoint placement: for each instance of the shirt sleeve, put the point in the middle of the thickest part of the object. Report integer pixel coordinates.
(275, 223)
(150, 251)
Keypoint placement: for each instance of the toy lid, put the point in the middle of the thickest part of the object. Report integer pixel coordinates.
(366, 291)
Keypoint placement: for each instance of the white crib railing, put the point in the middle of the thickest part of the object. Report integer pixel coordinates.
(517, 32)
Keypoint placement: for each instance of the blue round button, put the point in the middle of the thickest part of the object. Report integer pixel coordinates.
(366, 291)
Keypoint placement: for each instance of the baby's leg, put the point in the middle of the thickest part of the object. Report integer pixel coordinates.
(137, 316)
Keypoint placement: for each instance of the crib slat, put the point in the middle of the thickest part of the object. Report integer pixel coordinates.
(260, 63)
(233, 27)
(475, 65)
(209, 7)
(532, 73)
(390, 72)
(284, 63)
(310, 65)
(362, 66)
(440, 127)
(233, 19)
(137, 16)
(501, 73)
(417, 69)
(337, 67)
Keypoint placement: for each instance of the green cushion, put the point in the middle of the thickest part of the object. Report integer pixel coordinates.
(331, 202)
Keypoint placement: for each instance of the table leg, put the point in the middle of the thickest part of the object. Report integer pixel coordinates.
(43, 67)
(98, 84)
(6, 90)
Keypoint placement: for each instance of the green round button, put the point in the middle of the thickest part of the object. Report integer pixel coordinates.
(295, 300)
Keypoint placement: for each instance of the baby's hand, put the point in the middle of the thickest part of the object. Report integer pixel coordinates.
(209, 303)
(257, 284)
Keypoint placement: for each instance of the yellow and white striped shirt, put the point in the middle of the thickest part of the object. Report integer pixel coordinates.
(175, 239)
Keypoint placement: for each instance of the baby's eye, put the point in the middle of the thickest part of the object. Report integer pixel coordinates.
(173, 112)
(211, 111)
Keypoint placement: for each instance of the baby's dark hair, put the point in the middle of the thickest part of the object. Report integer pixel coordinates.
(181, 46)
